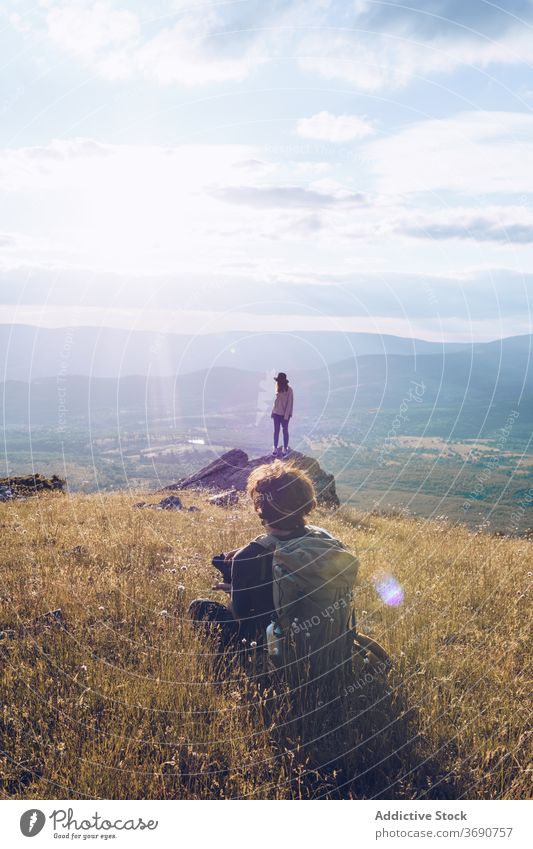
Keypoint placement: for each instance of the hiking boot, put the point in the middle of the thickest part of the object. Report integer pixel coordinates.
(275, 452)
(286, 452)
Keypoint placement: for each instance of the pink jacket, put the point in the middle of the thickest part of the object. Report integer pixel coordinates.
(283, 404)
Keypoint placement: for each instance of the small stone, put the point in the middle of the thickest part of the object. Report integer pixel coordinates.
(171, 502)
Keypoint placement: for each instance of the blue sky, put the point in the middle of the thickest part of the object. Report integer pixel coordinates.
(343, 165)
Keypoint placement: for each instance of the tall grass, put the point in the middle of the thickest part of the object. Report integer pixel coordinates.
(118, 697)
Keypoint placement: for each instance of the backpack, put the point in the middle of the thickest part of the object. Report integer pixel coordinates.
(313, 579)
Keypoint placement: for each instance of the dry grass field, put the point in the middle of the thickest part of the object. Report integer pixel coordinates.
(117, 697)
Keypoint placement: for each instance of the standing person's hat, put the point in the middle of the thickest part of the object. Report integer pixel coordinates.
(281, 376)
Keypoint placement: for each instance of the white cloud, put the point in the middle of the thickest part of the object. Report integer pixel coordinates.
(184, 46)
(90, 29)
(506, 225)
(386, 45)
(337, 129)
(319, 195)
(370, 45)
(391, 61)
(473, 152)
(107, 205)
(184, 54)
(82, 203)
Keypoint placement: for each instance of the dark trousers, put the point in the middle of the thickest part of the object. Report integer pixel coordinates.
(280, 422)
(216, 619)
(241, 642)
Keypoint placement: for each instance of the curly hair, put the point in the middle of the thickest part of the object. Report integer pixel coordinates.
(282, 494)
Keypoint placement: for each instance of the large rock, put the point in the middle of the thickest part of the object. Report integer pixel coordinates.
(232, 469)
(24, 485)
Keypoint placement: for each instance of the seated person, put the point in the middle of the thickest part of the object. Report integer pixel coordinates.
(250, 590)
(251, 607)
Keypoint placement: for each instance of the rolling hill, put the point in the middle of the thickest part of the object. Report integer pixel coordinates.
(28, 352)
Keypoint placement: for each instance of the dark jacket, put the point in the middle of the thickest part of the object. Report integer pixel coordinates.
(252, 601)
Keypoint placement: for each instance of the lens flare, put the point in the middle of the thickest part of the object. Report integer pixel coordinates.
(389, 590)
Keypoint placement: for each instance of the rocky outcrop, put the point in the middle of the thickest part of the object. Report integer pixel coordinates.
(22, 486)
(231, 471)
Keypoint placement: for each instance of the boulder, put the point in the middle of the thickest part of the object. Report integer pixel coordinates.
(21, 486)
(171, 502)
(230, 472)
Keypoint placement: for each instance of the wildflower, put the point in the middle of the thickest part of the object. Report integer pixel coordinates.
(163, 612)
(183, 568)
(253, 644)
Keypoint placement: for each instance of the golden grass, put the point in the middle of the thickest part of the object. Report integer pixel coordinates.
(122, 699)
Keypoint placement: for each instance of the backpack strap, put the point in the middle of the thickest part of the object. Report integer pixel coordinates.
(267, 541)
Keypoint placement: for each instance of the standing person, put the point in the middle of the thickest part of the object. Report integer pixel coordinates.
(282, 412)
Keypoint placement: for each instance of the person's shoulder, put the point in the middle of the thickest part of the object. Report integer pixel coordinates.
(246, 565)
(251, 549)
(317, 531)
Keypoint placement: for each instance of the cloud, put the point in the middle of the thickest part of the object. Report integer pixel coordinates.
(91, 30)
(187, 45)
(487, 294)
(498, 299)
(505, 225)
(109, 205)
(471, 152)
(86, 204)
(436, 18)
(307, 225)
(337, 129)
(371, 45)
(386, 45)
(287, 197)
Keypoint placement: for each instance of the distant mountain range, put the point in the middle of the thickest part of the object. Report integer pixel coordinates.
(448, 388)
(28, 352)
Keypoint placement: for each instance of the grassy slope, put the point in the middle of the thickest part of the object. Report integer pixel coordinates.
(124, 702)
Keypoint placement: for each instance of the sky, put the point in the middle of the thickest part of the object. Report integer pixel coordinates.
(296, 164)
